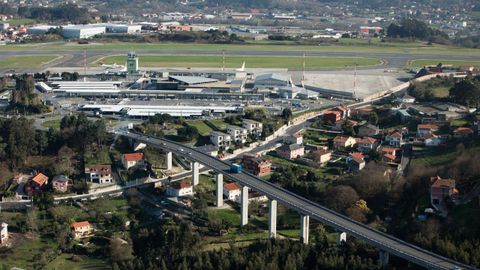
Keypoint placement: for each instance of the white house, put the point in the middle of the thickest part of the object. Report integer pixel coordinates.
(296, 138)
(432, 140)
(130, 160)
(220, 139)
(100, 174)
(238, 134)
(232, 191)
(179, 189)
(394, 138)
(425, 130)
(252, 126)
(3, 233)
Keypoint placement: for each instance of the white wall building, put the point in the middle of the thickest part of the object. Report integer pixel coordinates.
(40, 29)
(237, 134)
(83, 31)
(220, 139)
(232, 191)
(179, 189)
(3, 233)
(100, 174)
(253, 127)
(123, 28)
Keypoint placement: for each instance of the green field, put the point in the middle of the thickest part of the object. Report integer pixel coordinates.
(65, 261)
(203, 129)
(236, 61)
(427, 62)
(55, 124)
(23, 61)
(18, 22)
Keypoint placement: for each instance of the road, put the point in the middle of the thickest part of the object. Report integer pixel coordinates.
(74, 58)
(322, 214)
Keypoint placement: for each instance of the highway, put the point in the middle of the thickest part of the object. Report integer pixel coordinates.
(320, 213)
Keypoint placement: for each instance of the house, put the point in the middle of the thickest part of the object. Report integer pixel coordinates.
(368, 130)
(424, 130)
(237, 134)
(209, 149)
(406, 98)
(296, 138)
(441, 189)
(232, 191)
(389, 154)
(220, 139)
(100, 174)
(81, 229)
(462, 133)
(36, 184)
(367, 144)
(253, 127)
(321, 156)
(355, 162)
(394, 138)
(432, 140)
(291, 151)
(3, 233)
(256, 165)
(130, 160)
(363, 113)
(60, 183)
(182, 188)
(254, 196)
(332, 116)
(342, 142)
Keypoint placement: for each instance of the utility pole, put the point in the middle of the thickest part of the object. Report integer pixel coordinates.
(355, 81)
(223, 60)
(84, 64)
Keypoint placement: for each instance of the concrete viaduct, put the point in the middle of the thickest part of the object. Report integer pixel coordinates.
(386, 244)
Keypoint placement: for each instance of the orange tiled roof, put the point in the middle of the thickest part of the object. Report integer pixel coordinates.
(439, 182)
(463, 130)
(80, 224)
(428, 126)
(231, 186)
(133, 156)
(40, 179)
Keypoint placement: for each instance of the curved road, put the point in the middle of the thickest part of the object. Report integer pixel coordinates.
(372, 236)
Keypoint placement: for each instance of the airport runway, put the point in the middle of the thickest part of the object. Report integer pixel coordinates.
(75, 58)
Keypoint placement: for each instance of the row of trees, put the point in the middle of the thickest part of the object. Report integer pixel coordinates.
(64, 12)
(414, 29)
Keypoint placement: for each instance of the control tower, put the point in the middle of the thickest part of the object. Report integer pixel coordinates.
(132, 63)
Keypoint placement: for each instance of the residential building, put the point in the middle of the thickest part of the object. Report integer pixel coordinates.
(81, 229)
(100, 174)
(60, 183)
(368, 130)
(296, 138)
(424, 130)
(390, 154)
(291, 151)
(332, 116)
(232, 191)
(442, 189)
(394, 138)
(355, 162)
(432, 140)
(406, 98)
(256, 165)
(178, 189)
(253, 127)
(36, 184)
(342, 142)
(237, 134)
(462, 133)
(367, 144)
(130, 160)
(321, 156)
(3, 233)
(220, 139)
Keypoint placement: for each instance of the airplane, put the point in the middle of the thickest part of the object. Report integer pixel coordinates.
(242, 69)
(114, 66)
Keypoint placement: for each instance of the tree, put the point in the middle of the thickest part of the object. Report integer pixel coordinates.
(188, 132)
(467, 92)
(287, 114)
(120, 250)
(373, 118)
(339, 198)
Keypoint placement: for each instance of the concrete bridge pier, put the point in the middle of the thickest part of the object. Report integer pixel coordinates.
(219, 179)
(304, 227)
(244, 205)
(169, 161)
(195, 173)
(341, 237)
(383, 258)
(272, 220)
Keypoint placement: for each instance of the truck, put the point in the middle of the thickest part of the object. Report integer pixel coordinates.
(236, 168)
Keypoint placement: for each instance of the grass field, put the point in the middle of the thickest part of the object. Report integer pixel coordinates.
(455, 63)
(26, 61)
(26, 253)
(18, 22)
(55, 124)
(236, 61)
(203, 129)
(64, 261)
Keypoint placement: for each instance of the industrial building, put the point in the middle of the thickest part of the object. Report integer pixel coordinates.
(83, 31)
(123, 28)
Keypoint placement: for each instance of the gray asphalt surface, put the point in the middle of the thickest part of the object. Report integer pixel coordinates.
(372, 236)
(75, 58)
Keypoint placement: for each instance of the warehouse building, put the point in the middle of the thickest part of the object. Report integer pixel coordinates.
(82, 31)
(123, 28)
(40, 29)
